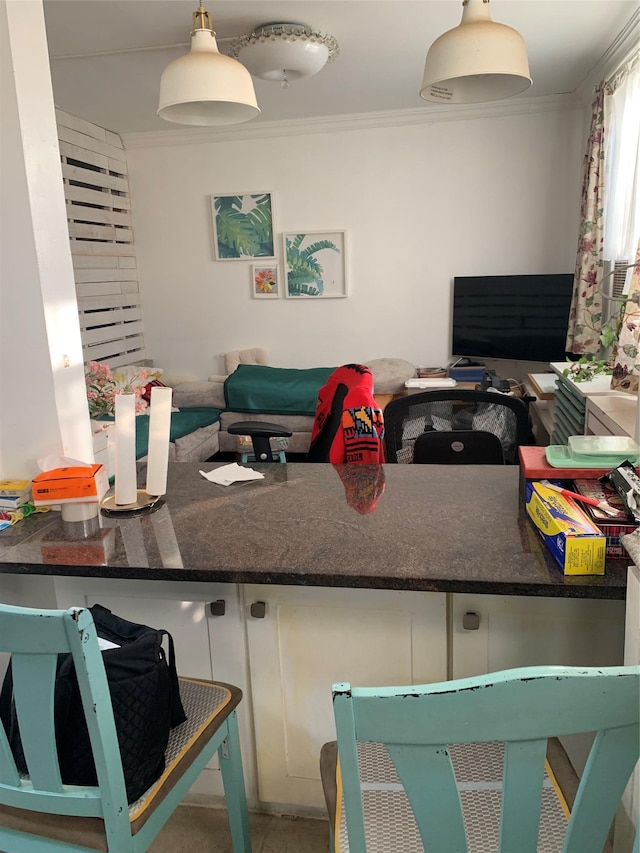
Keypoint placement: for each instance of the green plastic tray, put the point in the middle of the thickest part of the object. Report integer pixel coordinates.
(558, 456)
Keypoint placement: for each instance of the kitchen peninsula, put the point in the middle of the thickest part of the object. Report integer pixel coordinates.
(318, 573)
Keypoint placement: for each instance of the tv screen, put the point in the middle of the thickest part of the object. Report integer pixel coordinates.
(522, 317)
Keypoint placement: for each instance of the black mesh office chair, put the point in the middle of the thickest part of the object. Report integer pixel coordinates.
(454, 414)
(458, 447)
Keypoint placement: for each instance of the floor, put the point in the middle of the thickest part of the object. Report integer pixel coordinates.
(201, 830)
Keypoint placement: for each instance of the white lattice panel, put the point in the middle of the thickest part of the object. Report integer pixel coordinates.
(94, 171)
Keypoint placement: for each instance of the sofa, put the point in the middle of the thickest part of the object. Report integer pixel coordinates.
(287, 396)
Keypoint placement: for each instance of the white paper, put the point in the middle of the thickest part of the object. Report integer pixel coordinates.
(106, 644)
(232, 473)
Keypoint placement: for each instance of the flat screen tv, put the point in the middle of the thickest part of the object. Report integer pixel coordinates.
(521, 317)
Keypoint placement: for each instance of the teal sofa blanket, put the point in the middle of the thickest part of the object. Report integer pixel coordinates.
(275, 390)
(182, 423)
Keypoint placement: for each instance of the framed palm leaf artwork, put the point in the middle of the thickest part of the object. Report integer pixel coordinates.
(315, 264)
(243, 226)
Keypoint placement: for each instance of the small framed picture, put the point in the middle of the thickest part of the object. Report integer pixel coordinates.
(243, 226)
(265, 281)
(315, 264)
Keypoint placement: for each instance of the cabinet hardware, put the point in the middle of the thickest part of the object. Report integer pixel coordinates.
(258, 609)
(471, 621)
(217, 608)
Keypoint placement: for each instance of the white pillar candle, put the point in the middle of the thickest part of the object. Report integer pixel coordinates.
(158, 454)
(126, 491)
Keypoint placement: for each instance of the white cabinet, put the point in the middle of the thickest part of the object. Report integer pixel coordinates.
(206, 646)
(516, 630)
(303, 639)
(311, 638)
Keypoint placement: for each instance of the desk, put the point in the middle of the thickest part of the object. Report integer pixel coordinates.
(365, 574)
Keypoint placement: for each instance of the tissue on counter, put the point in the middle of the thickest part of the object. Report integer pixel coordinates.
(576, 542)
(233, 473)
(71, 484)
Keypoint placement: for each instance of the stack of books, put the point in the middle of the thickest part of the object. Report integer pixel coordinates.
(14, 493)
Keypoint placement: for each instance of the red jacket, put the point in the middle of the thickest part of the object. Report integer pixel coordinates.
(349, 427)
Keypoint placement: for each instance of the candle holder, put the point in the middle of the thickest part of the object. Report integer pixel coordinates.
(143, 504)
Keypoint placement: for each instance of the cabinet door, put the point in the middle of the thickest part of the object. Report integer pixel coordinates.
(310, 638)
(518, 630)
(206, 647)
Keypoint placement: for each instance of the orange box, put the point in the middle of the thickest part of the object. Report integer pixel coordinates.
(73, 484)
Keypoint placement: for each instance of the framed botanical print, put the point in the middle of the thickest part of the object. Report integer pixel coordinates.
(243, 226)
(315, 264)
(265, 281)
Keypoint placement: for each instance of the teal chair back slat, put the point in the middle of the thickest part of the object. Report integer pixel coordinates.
(523, 775)
(349, 771)
(34, 677)
(433, 794)
(611, 761)
(9, 777)
(575, 690)
(522, 708)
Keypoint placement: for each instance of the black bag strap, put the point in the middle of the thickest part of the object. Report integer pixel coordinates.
(177, 711)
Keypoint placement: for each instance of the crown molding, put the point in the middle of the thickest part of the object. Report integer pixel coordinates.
(627, 40)
(428, 114)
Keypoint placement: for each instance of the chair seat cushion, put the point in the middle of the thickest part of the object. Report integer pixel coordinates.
(206, 705)
(389, 821)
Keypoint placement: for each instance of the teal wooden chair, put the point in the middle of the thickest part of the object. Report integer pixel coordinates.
(38, 812)
(461, 765)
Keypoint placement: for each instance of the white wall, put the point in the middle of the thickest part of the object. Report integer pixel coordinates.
(421, 203)
(43, 407)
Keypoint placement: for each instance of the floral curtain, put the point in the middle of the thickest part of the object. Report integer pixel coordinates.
(585, 318)
(626, 357)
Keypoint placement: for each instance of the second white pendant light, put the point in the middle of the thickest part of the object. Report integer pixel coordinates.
(479, 60)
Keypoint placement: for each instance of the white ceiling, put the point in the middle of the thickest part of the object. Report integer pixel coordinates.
(383, 44)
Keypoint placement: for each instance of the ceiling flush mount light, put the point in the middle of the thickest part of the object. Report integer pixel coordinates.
(284, 52)
(205, 87)
(476, 61)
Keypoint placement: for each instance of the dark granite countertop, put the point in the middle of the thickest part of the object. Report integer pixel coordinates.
(411, 527)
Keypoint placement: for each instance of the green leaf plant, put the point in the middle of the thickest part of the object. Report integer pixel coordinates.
(589, 366)
(241, 232)
(304, 272)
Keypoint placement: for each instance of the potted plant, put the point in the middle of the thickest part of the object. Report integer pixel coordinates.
(588, 367)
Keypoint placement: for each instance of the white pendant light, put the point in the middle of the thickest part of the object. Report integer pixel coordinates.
(476, 61)
(204, 87)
